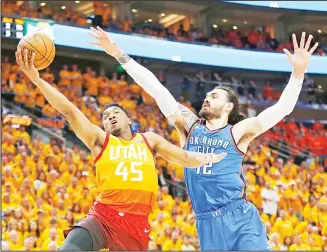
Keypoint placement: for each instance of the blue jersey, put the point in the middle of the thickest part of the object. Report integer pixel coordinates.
(214, 185)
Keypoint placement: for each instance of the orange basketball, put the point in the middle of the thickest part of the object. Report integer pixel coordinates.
(42, 46)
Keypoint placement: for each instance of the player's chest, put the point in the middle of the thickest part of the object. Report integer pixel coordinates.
(128, 152)
(209, 142)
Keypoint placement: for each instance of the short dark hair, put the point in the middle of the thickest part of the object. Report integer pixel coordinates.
(235, 115)
(115, 104)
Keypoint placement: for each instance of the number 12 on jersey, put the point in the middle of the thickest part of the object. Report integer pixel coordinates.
(204, 170)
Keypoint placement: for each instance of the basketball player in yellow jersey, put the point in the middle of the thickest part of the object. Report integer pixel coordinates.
(127, 182)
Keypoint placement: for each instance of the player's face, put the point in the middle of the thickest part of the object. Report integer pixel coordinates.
(115, 121)
(215, 104)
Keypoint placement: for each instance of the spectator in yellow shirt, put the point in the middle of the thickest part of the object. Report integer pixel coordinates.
(14, 241)
(53, 237)
(298, 245)
(53, 246)
(47, 75)
(65, 76)
(186, 245)
(274, 238)
(21, 91)
(76, 78)
(283, 226)
(158, 225)
(49, 111)
(77, 212)
(167, 198)
(166, 235)
(313, 246)
(292, 217)
(85, 200)
(310, 212)
(28, 244)
(287, 243)
(173, 244)
(53, 225)
(317, 239)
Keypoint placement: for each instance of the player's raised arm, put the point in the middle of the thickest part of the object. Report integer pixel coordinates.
(89, 133)
(268, 118)
(174, 154)
(182, 117)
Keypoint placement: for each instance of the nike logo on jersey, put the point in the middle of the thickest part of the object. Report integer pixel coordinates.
(244, 211)
(146, 230)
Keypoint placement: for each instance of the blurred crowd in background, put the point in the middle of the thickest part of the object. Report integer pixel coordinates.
(257, 39)
(47, 187)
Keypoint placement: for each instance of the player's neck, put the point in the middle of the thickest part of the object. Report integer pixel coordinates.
(217, 123)
(126, 135)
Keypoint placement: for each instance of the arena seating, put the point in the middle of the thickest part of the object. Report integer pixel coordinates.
(251, 39)
(47, 187)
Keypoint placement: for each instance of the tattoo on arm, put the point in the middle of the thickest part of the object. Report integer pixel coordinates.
(123, 59)
(188, 116)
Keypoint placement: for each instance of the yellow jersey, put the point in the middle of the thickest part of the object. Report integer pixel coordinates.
(126, 176)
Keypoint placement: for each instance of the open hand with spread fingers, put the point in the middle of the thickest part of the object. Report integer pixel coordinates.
(211, 158)
(301, 57)
(27, 66)
(105, 42)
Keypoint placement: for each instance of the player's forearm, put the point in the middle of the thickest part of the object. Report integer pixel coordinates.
(179, 156)
(149, 82)
(54, 97)
(285, 105)
(186, 158)
(191, 160)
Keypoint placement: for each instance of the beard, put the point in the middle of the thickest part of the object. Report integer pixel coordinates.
(210, 113)
(116, 131)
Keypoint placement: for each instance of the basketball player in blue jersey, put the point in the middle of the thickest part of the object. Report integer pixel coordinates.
(225, 220)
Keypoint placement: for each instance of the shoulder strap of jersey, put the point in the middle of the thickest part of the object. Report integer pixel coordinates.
(147, 143)
(191, 130)
(106, 141)
(230, 132)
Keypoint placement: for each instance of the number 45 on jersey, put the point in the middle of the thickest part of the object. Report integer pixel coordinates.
(129, 173)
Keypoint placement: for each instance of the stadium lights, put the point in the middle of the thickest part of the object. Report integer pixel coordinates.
(214, 26)
(245, 22)
(134, 10)
(162, 14)
(77, 1)
(42, 4)
(63, 7)
(235, 27)
(319, 31)
(225, 20)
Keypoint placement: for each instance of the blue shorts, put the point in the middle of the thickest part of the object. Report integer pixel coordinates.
(236, 226)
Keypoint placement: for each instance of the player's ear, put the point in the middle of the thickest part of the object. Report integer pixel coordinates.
(230, 106)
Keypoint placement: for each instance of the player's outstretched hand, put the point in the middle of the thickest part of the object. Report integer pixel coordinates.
(105, 42)
(301, 57)
(27, 66)
(211, 158)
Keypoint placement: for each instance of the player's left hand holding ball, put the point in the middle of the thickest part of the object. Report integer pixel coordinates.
(105, 42)
(27, 66)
